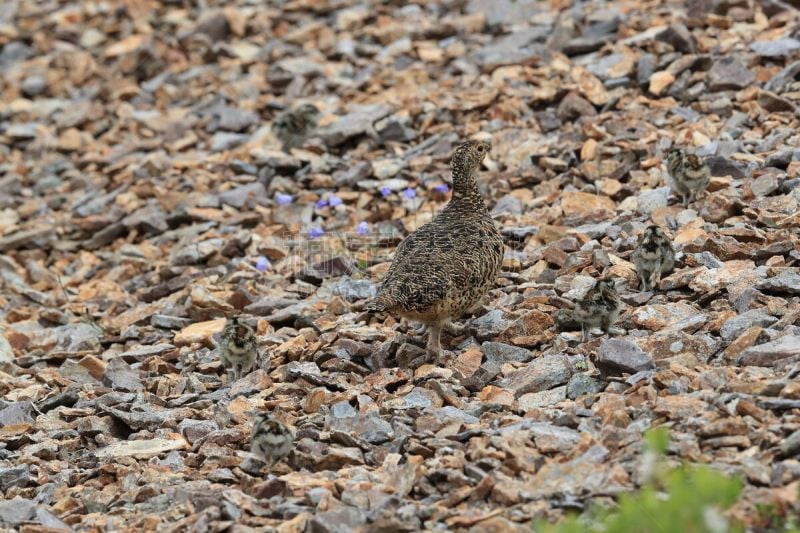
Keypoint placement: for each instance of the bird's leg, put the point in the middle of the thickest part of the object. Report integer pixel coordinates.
(605, 325)
(645, 282)
(231, 373)
(685, 199)
(656, 278)
(584, 336)
(454, 329)
(434, 341)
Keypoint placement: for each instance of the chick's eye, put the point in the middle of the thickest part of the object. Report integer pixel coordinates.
(480, 148)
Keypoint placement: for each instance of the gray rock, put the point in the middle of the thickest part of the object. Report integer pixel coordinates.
(222, 141)
(357, 122)
(548, 438)
(49, 520)
(355, 289)
(594, 231)
(777, 48)
(120, 376)
(791, 445)
(766, 184)
(293, 214)
(649, 200)
(771, 352)
(22, 131)
(343, 519)
(581, 384)
(782, 79)
(15, 512)
(536, 400)
(233, 119)
(150, 219)
(729, 73)
(645, 69)
(243, 167)
(623, 355)
(33, 86)
(601, 66)
(415, 400)
(724, 166)
(13, 52)
(775, 103)
(504, 11)
(17, 413)
(735, 326)
(6, 352)
(268, 305)
(194, 254)
(450, 414)
(507, 204)
(498, 352)
(16, 476)
(395, 131)
(786, 282)
(169, 322)
(679, 36)
(541, 374)
(490, 325)
(584, 44)
(238, 196)
(143, 352)
(370, 427)
(194, 430)
(522, 47)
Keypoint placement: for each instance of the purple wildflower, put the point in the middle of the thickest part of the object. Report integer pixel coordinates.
(410, 193)
(362, 228)
(385, 191)
(262, 264)
(321, 203)
(315, 232)
(442, 188)
(283, 199)
(334, 200)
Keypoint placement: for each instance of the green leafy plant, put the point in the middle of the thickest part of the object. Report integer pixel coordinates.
(686, 498)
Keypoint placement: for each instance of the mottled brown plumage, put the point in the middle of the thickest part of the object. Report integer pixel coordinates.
(270, 440)
(293, 126)
(238, 349)
(598, 308)
(444, 269)
(653, 257)
(688, 173)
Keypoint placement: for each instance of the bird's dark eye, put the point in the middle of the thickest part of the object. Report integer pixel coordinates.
(480, 148)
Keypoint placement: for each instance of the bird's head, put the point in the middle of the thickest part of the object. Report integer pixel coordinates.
(467, 158)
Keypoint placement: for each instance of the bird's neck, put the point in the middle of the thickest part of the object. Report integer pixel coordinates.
(465, 189)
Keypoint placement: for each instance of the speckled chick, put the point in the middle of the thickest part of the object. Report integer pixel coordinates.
(447, 266)
(653, 257)
(238, 349)
(270, 440)
(688, 173)
(293, 126)
(598, 308)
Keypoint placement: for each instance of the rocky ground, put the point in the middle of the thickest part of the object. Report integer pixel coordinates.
(144, 199)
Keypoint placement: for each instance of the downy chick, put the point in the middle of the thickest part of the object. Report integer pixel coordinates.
(293, 126)
(653, 257)
(598, 308)
(238, 349)
(270, 440)
(688, 173)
